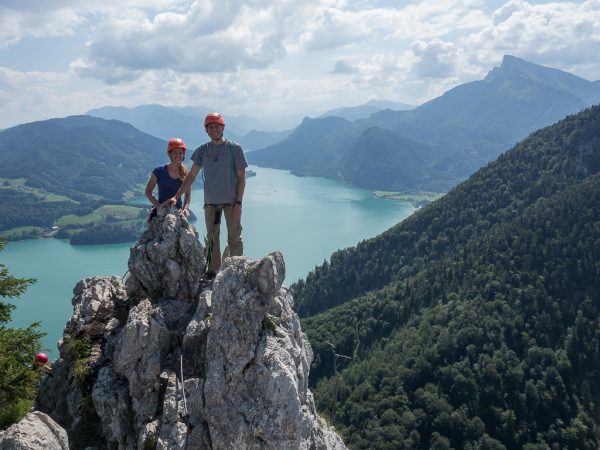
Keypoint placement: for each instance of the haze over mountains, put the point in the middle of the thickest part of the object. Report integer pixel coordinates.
(442, 141)
(163, 122)
(252, 133)
(186, 123)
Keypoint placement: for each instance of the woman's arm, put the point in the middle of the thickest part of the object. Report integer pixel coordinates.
(149, 188)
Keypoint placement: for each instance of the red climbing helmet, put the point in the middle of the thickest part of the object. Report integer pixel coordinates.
(214, 117)
(175, 143)
(41, 358)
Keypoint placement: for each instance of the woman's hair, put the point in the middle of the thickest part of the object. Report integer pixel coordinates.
(182, 172)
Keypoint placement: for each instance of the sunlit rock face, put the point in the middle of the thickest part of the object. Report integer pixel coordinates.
(35, 431)
(164, 360)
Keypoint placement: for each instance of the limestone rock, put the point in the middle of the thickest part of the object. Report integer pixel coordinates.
(34, 432)
(96, 302)
(169, 362)
(255, 350)
(167, 260)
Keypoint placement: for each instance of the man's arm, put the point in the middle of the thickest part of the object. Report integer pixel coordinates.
(186, 186)
(241, 184)
(239, 195)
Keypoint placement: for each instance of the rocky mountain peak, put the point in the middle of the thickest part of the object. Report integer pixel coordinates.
(164, 361)
(557, 80)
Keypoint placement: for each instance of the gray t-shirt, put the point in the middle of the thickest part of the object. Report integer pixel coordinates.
(220, 163)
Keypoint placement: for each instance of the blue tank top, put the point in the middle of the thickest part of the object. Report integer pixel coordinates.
(167, 186)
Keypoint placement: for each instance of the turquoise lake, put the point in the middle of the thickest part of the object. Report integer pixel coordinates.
(306, 218)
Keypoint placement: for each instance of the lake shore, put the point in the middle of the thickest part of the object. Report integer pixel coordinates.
(417, 199)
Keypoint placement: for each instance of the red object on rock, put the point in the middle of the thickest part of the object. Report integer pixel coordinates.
(41, 358)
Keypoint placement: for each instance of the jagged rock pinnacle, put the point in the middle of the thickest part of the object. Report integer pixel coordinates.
(163, 361)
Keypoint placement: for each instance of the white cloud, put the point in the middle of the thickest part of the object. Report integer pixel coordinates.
(207, 37)
(436, 59)
(15, 24)
(109, 74)
(390, 76)
(264, 55)
(427, 20)
(332, 28)
(561, 34)
(31, 94)
(30, 18)
(336, 27)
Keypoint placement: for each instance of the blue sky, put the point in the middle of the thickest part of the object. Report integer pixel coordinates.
(265, 58)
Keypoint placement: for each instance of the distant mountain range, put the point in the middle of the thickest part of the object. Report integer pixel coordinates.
(252, 133)
(164, 122)
(440, 143)
(474, 322)
(187, 123)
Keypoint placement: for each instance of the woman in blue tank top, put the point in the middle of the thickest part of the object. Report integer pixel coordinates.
(169, 179)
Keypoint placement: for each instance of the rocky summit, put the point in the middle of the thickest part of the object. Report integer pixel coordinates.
(162, 360)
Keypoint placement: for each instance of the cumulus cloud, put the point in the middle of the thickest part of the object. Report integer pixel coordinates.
(30, 18)
(287, 54)
(347, 24)
(560, 34)
(435, 59)
(333, 28)
(24, 95)
(427, 20)
(17, 24)
(110, 74)
(382, 74)
(207, 37)
(228, 36)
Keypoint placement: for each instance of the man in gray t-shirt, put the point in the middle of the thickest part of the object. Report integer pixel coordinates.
(224, 167)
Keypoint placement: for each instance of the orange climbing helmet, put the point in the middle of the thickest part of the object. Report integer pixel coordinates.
(175, 143)
(214, 117)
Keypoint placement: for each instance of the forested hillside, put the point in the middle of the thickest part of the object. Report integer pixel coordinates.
(79, 155)
(75, 173)
(473, 323)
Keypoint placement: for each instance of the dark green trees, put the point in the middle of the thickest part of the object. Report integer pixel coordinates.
(474, 322)
(17, 349)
